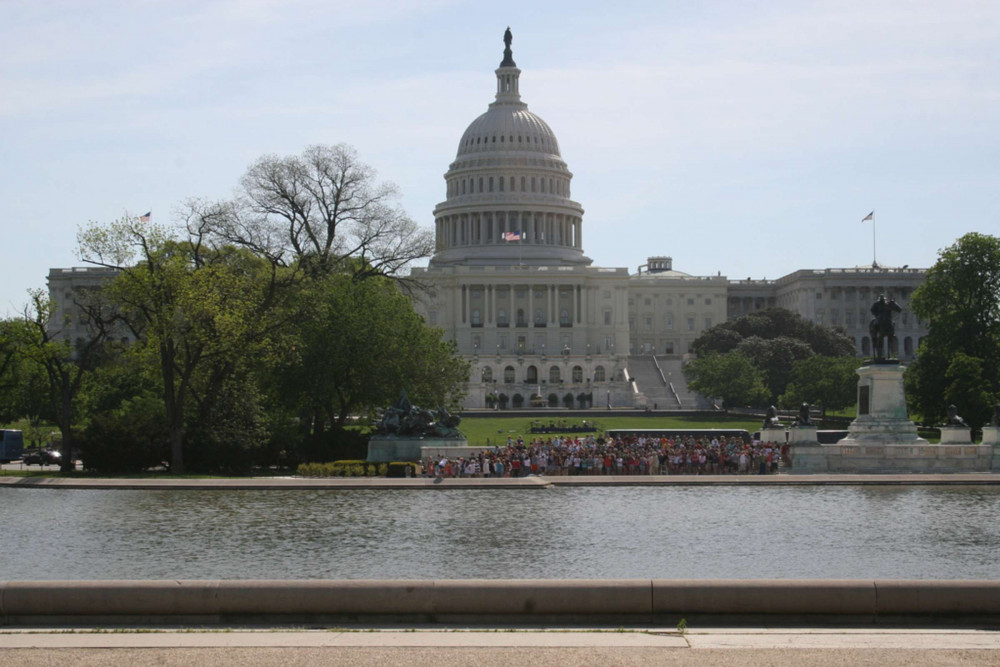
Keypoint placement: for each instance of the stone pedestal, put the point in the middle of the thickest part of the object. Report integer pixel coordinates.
(882, 417)
(991, 435)
(772, 434)
(802, 435)
(807, 455)
(956, 435)
(384, 449)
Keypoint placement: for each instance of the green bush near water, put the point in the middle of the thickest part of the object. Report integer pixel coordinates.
(343, 469)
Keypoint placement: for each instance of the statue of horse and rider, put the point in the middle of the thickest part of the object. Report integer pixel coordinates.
(881, 327)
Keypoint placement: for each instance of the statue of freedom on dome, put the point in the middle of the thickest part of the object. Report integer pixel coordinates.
(508, 56)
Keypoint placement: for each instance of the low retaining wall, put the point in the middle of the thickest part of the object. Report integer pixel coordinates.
(230, 600)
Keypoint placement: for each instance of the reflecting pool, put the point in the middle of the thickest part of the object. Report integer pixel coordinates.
(570, 532)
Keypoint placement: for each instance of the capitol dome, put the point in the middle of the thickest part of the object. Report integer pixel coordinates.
(508, 190)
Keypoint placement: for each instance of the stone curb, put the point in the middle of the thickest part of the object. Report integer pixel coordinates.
(516, 599)
(293, 483)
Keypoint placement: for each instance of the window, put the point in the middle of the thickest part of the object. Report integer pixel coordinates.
(690, 324)
(708, 302)
(502, 317)
(554, 376)
(690, 302)
(503, 342)
(477, 342)
(668, 321)
(508, 375)
(433, 317)
(599, 374)
(607, 317)
(648, 302)
(487, 374)
(532, 375)
(708, 322)
(564, 317)
(539, 317)
(649, 323)
(477, 318)
(577, 374)
(491, 184)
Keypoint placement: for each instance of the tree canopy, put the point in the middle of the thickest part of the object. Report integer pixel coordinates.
(773, 340)
(959, 360)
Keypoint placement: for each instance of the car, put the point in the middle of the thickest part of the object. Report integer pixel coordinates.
(41, 457)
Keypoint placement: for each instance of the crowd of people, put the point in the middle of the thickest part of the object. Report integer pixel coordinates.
(634, 455)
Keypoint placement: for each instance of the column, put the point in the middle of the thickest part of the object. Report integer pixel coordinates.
(531, 307)
(465, 304)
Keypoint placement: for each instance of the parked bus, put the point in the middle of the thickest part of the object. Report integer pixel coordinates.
(11, 445)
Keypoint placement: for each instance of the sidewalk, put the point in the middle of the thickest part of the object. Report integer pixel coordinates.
(709, 646)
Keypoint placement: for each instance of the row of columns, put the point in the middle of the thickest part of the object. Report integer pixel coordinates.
(551, 299)
(468, 229)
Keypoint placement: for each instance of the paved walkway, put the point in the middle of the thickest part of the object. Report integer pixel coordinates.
(532, 482)
(709, 646)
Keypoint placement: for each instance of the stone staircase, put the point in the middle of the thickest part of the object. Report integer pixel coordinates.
(662, 382)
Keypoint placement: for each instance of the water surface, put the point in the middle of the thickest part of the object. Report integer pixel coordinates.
(570, 532)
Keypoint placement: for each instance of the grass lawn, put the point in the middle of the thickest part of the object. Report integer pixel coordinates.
(483, 431)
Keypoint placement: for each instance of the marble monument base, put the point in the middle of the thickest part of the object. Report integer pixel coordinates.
(772, 434)
(382, 449)
(991, 435)
(807, 455)
(956, 435)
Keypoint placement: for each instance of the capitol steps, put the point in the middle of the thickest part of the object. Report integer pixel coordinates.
(653, 377)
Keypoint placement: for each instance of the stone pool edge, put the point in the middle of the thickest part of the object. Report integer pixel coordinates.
(228, 601)
(533, 482)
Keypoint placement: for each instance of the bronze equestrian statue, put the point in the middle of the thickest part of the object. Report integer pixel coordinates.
(881, 328)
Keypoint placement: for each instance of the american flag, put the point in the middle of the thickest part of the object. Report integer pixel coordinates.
(146, 217)
(512, 236)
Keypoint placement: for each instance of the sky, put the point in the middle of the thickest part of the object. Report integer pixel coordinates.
(747, 138)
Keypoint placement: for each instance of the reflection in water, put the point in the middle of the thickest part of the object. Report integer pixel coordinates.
(617, 532)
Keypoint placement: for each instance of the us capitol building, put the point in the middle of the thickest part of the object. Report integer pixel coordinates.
(509, 283)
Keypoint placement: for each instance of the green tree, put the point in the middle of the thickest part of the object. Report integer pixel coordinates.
(960, 301)
(363, 344)
(732, 377)
(774, 357)
(770, 324)
(830, 382)
(967, 387)
(198, 311)
(774, 339)
(63, 363)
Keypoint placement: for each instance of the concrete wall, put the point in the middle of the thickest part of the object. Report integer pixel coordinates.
(24, 602)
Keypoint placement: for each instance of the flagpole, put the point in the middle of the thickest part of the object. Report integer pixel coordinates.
(874, 256)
